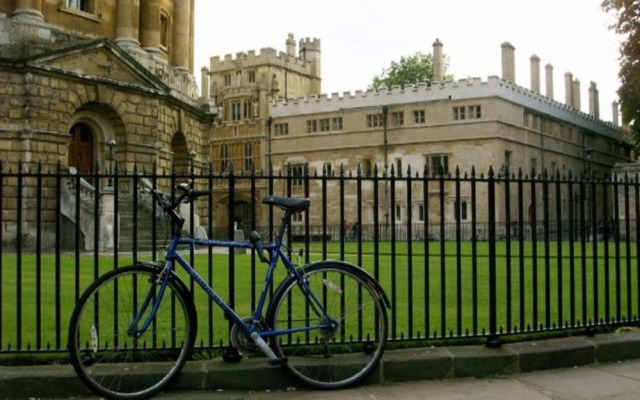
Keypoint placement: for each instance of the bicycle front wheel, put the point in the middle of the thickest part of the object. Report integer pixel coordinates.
(107, 351)
(338, 328)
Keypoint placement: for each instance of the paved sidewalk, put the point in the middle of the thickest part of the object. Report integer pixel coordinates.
(573, 368)
(610, 381)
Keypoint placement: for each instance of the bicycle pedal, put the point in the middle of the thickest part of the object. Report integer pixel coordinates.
(279, 361)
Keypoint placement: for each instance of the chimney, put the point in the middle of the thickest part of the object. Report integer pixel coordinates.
(568, 88)
(291, 45)
(576, 94)
(204, 82)
(615, 113)
(508, 62)
(535, 73)
(549, 80)
(594, 100)
(438, 68)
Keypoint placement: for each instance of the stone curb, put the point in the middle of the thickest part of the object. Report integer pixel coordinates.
(398, 366)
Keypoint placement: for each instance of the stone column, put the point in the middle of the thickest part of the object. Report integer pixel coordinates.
(549, 80)
(594, 100)
(438, 68)
(150, 25)
(127, 25)
(508, 62)
(535, 73)
(181, 33)
(28, 11)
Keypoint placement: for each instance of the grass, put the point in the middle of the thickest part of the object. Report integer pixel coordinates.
(437, 290)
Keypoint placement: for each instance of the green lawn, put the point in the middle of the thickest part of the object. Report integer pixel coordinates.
(548, 288)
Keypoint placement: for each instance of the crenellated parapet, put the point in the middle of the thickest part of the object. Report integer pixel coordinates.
(469, 88)
(251, 59)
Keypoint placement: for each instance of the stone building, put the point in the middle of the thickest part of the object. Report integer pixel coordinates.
(439, 127)
(95, 84)
(242, 88)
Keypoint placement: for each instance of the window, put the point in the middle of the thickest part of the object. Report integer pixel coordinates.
(459, 113)
(398, 211)
(236, 110)
(438, 164)
(507, 162)
(368, 169)
(247, 109)
(460, 210)
(474, 112)
(248, 157)
(421, 213)
(325, 125)
(296, 217)
(281, 129)
(312, 126)
(326, 169)
(397, 118)
(534, 166)
(297, 173)
(80, 5)
(398, 166)
(164, 31)
(336, 123)
(224, 158)
(419, 117)
(252, 76)
(227, 80)
(375, 120)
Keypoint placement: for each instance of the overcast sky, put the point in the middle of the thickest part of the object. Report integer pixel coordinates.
(361, 37)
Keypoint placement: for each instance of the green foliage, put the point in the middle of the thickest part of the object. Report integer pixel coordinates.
(627, 13)
(411, 69)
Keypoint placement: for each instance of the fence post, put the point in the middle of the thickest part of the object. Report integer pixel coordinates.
(493, 340)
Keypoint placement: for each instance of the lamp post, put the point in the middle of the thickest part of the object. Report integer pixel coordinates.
(269, 123)
(111, 143)
(385, 144)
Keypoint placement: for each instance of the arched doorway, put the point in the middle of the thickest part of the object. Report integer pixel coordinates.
(81, 148)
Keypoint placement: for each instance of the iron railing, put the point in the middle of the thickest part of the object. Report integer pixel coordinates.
(459, 256)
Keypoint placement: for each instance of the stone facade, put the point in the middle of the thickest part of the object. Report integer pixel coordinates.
(469, 124)
(76, 74)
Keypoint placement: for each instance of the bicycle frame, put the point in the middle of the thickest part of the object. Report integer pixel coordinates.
(173, 256)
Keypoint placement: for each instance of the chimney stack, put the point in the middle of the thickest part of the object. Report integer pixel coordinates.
(291, 45)
(549, 80)
(576, 95)
(438, 67)
(568, 88)
(594, 100)
(615, 113)
(508, 62)
(535, 73)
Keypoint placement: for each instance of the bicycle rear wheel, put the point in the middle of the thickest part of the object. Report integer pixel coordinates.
(112, 361)
(334, 356)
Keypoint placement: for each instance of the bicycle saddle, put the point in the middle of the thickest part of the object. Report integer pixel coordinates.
(295, 204)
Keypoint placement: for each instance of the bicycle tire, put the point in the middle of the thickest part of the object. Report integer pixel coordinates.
(331, 358)
(117, 365)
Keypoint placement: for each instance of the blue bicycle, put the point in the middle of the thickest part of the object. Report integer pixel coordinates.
(134, 328)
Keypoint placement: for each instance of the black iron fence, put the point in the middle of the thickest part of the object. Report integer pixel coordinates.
(459, 256)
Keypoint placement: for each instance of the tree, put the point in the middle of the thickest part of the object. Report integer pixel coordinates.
(411, 69)
(627, 14)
